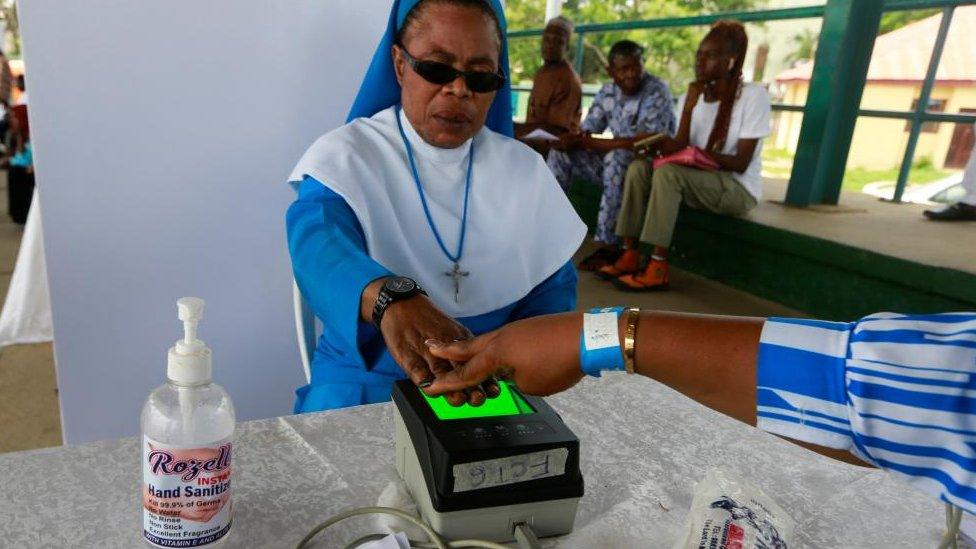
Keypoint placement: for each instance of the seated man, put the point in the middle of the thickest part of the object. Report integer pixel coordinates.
(634, 105)
(554, 104)
(726, 119)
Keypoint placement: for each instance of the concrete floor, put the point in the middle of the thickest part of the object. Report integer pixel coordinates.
(30, 416)
(29, 411)
(688, 293)
(864, 221)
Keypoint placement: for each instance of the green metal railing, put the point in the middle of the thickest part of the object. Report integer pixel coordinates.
(692, 21)
(920, 114)
(917, 117)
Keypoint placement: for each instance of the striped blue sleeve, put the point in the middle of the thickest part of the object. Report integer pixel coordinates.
(800, 381)
(906, 384)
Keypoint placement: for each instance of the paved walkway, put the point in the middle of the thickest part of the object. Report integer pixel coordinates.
(864, 221)
(29, 412)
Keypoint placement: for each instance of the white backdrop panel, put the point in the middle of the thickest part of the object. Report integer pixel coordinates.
(163, 134)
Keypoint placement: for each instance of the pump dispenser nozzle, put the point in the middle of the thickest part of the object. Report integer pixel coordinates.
(189, 359)
(190, 312)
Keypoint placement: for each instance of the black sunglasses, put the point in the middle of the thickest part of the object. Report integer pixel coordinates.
(442, 73)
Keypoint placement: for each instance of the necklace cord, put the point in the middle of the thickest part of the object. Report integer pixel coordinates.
(423, 199)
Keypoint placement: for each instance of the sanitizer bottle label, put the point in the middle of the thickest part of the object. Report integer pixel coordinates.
(186, 493)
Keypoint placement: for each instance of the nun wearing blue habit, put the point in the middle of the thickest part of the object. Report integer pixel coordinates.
(376, 200)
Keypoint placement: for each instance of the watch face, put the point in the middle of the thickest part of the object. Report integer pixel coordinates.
(400, 285)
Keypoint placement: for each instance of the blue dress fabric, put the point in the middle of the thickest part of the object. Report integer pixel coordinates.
(351, 365)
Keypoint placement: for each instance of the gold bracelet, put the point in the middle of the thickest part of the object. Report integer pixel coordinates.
(630, 337)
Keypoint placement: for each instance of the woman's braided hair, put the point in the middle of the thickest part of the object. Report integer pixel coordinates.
(732, 35)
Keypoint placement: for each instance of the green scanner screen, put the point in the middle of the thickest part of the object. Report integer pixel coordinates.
(507, 403)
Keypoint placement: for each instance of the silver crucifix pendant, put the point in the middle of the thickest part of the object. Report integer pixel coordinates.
(457, 274)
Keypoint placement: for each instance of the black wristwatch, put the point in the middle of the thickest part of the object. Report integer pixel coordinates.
(394, 289)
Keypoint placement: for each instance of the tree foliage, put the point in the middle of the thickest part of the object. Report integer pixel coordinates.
(804, 46)
(670, 53)
(8, 16)
(895, 20)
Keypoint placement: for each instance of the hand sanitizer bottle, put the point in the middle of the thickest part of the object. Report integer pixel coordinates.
(187, 440)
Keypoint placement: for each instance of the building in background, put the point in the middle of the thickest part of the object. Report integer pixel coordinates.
(894, 82)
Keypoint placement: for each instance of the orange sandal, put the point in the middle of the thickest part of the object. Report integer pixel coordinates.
(627, 263)
(653, 278)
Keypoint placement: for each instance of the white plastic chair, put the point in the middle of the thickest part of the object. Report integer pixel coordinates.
(304, 329)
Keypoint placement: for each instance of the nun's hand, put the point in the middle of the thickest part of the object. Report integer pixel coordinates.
(541, 355)
(406, 327)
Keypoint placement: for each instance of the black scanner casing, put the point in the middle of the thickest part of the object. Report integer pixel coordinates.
(440, 444)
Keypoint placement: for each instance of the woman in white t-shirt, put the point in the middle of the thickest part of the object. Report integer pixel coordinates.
(725, 119)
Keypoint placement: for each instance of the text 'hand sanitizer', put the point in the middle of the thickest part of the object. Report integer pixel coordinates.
(187, 441)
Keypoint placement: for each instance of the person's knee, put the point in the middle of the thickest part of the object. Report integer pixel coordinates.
(666, 177)
(640, 169)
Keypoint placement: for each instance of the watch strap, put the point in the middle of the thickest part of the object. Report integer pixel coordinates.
(386, 298)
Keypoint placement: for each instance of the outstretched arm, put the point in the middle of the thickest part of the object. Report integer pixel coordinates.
(709, 358)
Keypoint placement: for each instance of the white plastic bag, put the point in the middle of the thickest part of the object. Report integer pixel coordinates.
(729, 513)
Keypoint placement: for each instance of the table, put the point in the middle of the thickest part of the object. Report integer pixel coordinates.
(643, 448)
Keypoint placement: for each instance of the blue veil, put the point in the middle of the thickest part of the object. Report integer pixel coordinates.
(380, 89)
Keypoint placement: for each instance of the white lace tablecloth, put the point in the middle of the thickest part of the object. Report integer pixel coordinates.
(643, 449)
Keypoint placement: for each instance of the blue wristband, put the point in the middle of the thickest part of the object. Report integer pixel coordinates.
(600, 341)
